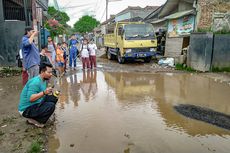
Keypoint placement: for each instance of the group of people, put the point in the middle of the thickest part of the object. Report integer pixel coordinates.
(37, 103)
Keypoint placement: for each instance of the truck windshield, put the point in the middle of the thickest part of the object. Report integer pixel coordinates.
(139, 31)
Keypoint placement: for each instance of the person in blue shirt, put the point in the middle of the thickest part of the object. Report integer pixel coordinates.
(73, 51)
(31, 56)
(34, 104)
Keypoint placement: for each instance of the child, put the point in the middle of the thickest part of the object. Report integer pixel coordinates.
(43, 56)
(64, 49)
(60, 59)
(85, 54)
(92, 56)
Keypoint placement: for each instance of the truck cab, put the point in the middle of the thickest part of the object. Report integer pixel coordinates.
(131, 40)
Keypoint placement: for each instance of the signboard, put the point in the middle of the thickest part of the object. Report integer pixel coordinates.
(181, 26)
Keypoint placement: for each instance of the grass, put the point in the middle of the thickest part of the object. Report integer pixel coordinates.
(184, 68)
(35, 147)
(10, 71)
(223, 69)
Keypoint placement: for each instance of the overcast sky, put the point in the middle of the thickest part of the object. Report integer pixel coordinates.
(97, 7)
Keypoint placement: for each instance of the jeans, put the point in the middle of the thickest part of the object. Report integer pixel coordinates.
(72, 58)
(33, 71)
(40, 112)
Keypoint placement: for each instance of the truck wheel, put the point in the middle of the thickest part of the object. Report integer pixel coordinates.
(147, 59)
(120, 59)
(109, 55)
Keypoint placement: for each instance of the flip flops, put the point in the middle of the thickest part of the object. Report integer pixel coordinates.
(33, 122)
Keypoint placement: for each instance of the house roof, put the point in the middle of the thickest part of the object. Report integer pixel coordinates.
(112, 17)
(165, 10)
(130, 8)
(175, 16)
(180, 14)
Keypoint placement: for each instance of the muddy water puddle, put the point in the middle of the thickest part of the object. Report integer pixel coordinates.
(106, 112)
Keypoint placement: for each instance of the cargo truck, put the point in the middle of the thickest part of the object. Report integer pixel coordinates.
(131, 40)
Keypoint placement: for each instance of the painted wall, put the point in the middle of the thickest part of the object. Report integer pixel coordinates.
(13, 32)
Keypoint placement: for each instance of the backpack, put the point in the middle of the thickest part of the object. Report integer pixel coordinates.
(19, 58)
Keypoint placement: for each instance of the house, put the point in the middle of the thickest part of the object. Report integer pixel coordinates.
(134, 12)
(181, 17)
(15, 15)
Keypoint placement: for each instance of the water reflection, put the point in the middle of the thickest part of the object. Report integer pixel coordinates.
(169, 90)
(88, 84)
(133, 112)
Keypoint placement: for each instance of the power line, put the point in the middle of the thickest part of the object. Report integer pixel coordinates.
(103, 14)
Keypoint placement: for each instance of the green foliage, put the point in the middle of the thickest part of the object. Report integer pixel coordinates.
(62, 19)
(86, 24)
(10, 71)
(35, 147)
(223, 69)
(184, 68)
(209, 29)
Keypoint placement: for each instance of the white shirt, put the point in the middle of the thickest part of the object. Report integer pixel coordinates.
(84, 51)
(92, 49)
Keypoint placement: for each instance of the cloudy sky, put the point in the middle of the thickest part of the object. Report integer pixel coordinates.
(77, 8)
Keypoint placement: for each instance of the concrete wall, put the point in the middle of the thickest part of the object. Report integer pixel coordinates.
(1, 32)
(207, 8)
(173, 47)
(221, 22)
(13, 32)
(221, 51)
(200, 51)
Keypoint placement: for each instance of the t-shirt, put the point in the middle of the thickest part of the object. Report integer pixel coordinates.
(59, 56)
(33, 86)
(84, 51)
(92, 49)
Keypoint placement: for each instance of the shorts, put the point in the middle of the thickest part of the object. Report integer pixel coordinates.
(60, 64)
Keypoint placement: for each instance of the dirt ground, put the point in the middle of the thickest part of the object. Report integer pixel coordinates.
(17, 136)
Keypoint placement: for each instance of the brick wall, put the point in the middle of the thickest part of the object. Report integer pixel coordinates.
(207, 8)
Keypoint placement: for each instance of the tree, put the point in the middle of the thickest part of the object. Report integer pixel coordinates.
(86, 24)
(57, 22)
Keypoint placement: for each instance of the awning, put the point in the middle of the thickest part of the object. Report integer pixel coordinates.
(159, 20)
(180, 14)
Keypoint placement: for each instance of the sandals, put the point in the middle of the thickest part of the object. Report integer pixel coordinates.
(33, 122)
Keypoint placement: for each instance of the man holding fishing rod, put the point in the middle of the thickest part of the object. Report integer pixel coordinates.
(37, 103)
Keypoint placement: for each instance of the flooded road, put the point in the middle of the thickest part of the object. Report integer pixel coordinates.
(111, 112)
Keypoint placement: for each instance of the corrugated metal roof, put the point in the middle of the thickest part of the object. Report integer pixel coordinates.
(180, 14)
(158, 21)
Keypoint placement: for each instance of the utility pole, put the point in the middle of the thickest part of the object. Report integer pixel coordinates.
(107, 5)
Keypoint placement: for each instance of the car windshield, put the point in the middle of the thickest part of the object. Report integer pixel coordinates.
(139, 31)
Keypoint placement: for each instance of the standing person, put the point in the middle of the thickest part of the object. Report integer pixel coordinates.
(60, 59)
(43, 57)
(85, 54)
(31, 57)
(92, 54)
(73, 51)
(51, 54)
(34, 102)
(64, 49)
